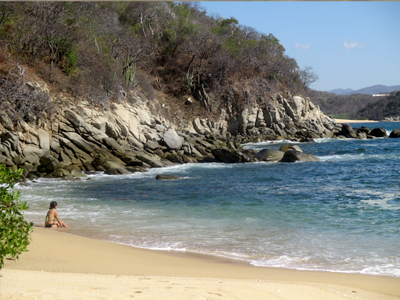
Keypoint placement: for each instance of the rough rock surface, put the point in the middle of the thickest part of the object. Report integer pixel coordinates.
(269, 155)
(395, 133)
(293, 156)
(130, 137)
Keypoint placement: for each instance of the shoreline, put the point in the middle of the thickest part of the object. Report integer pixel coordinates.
(343, 121)
(57, 260)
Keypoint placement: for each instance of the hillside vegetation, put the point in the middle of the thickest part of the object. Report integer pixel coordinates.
(386, 107)
(357, 106)
(342, 106)
(101, 51)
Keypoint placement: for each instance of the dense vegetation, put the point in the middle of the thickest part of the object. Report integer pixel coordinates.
(103, 50)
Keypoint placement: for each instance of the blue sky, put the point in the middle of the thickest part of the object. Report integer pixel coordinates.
(348, 44)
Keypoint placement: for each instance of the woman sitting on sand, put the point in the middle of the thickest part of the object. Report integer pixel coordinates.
(52, 220)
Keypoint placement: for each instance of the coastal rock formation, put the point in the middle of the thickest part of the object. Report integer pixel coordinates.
(395, 133)
(293, 156)
(378, 132)
(269, 155)
(167, 177)
(130, 137)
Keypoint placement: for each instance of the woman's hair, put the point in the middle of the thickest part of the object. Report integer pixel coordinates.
(53, 204)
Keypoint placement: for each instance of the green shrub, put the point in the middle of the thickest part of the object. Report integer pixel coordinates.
(14, 229)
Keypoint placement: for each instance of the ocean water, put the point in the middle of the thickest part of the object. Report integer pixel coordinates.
(341, 214)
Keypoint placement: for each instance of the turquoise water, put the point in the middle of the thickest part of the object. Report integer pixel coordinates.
(341, 214)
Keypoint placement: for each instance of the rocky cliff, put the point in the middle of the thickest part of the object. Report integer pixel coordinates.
(132, 137)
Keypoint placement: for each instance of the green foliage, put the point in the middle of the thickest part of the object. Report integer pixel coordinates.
(68, 56)
(14, 230)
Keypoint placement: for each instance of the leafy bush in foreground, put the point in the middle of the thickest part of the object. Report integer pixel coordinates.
(14, 229)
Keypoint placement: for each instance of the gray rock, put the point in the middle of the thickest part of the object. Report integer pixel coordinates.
(229, 156)
(173, 140)
(152, 145)
(129, 158)
(6, 160)
(46, 159)
(88, 167)
(76, 121)
(288, 147)
(155, 163)
(167, 177)
(378, 132)
(395, 133)
(77, 174)
(175, 158)
(348, 131)
(135, 169)
(60, 173)
(269, 155)
(293, 155)
(110, 143)
(10, 140)
(6, 121)
(81, 143)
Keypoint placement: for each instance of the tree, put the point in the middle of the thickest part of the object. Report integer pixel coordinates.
(308, 77)
(14, 229)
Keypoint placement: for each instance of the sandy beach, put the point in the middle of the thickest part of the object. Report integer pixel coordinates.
(354, 121)
(63, 266)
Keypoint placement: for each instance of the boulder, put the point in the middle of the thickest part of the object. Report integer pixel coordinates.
(347, 131)
(172, 140)
(167, 177)
(378, 132)
(229, 156)
(364, 129)
(293, 155)
(269, 155)
(395, 133)
(361, 135)
(288, 147)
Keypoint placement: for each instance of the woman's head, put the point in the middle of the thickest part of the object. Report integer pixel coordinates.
(53, 204)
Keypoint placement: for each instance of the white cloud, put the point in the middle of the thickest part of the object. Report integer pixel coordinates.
(351, 45)
(302, 47)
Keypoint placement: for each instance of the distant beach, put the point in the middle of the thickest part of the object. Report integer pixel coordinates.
(354, 121)
(64, 266)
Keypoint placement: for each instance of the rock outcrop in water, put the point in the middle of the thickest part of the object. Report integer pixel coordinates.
(132, 137)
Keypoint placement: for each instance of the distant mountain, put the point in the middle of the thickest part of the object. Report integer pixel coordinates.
(375, 89)
(341, 91)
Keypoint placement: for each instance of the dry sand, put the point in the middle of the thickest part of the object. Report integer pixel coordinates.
(354, 121)
(64, 266)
